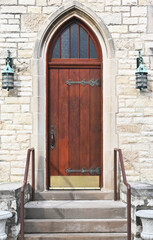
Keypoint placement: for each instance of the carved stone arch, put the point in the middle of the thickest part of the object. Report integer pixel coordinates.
(66, 11)
(53, 22)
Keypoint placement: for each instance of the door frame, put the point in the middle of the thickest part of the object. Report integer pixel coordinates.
(66, 63)
(38, 98)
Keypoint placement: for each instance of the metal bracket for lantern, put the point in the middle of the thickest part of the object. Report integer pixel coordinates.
(8, 74)
(141, 74)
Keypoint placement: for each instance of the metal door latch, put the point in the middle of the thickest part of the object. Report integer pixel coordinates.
(92, 171)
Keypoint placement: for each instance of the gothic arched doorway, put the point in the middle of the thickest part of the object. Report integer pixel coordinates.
(74, 103)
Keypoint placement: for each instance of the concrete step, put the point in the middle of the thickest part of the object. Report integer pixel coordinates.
(77, 236)
(74, 195)
(87, 209)
(75, 225)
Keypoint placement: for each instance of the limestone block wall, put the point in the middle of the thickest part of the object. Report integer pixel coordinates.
(10, 201)
(141, 199)
(130, 25)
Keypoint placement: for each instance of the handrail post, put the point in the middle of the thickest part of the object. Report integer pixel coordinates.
(115, 175)
(119, 151)
(33, 175)
(25, 183)
(22, 214)
(129, 212)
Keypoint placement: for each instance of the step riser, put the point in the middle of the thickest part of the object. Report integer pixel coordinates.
(75, 220)
(77, 237)
(75, 226)
(96, 213)
(74, 195)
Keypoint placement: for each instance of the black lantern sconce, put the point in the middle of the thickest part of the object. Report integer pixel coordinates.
(141, 74)
(8, 74)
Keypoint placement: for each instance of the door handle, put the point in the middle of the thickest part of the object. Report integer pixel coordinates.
(52, 137)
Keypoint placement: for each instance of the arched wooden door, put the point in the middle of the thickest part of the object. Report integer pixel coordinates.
(74, 108)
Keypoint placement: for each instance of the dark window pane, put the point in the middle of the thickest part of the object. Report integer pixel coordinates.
(74, 41)
(92, 52)
(83, 43)
(65, 44)
(56, 49)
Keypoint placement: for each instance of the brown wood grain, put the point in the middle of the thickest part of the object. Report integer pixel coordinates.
(95, 120)
(75, 112)
(74, 124)
(54, 120)
(63, 121)
(84, 121)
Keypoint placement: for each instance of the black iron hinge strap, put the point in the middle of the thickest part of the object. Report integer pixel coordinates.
(83, 82)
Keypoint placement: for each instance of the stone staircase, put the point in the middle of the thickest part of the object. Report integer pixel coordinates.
(75, 215)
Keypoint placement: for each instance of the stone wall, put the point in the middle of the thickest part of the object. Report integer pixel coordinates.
(10, 201)
(141, 199)
(130, 24)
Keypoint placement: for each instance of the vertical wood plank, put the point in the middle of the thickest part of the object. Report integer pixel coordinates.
(74, 123)
(63, 121)
(84, 120)
(53, 120)
(95, 120)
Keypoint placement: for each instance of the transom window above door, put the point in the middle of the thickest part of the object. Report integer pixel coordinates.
(74, 42)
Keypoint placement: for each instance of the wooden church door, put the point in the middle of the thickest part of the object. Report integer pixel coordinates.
(74, 108)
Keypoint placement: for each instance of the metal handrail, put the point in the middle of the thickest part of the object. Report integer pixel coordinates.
(119, 151)
(30, 150)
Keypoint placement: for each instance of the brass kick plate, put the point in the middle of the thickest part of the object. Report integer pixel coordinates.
(74, 182)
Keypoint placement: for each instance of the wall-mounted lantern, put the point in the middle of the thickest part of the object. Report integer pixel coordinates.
(8, 74)
(141, 73)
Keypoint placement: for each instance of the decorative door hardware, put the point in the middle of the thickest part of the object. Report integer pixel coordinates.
(83, 82)
(52, 137)
(92, 171)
